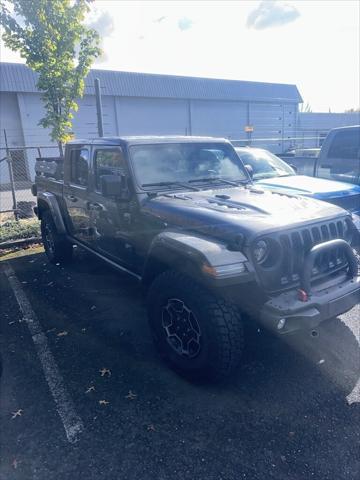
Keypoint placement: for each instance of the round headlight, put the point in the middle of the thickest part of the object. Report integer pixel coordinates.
(260, 251)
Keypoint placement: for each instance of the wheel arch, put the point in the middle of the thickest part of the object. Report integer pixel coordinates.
(162, 258)
(47, 202)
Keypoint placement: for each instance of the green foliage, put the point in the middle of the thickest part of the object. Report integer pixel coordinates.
(13, 230)
(53, 39)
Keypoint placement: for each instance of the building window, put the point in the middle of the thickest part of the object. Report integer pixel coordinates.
(79, 167)
(108, 162)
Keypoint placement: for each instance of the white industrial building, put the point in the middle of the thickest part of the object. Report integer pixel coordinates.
(149, 104)
(263, 114)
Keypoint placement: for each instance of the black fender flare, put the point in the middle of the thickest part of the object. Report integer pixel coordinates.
(189, 254)
(52, 204)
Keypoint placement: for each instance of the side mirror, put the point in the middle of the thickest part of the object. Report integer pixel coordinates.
(115, 186)
(250, 170)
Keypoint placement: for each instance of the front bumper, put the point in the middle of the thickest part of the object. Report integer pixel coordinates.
(292, 315)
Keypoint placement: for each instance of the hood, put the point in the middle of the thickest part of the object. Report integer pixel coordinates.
(249, 211)
(310, 186)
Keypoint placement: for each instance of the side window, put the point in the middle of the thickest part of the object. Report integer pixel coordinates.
(108, 162)
(79, 167)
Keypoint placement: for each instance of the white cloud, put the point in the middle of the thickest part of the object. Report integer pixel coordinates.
(185, 23)
(103, 23)
(272, 13)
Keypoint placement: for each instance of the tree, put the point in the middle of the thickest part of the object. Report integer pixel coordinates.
(54, 41)
(305, 108)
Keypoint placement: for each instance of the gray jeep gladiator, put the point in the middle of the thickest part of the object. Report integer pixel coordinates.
(182, 216)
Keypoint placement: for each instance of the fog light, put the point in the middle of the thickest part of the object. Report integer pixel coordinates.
(281, 323)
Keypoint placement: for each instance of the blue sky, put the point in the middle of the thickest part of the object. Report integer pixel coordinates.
(313, 44)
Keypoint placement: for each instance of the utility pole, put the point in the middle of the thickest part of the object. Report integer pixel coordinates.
(11, 176)
(99, 108)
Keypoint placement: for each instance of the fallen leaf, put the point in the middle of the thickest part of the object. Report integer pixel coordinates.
(17, 414)
(24, 282)
(50, 284)
(131, 395)
(283, 458)
(83, 330)
(103, 402)
(57, 264)
(151, 428)
(291, 434)
(11, 323)
(105, 371)
(15, 463)
(90, 389)
(62, 334)
(93, 307)
(321, 361)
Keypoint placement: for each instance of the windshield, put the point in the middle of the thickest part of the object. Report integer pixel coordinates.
(264, 164)
(160, 165)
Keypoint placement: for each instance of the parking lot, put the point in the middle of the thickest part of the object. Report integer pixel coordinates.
(84, 394)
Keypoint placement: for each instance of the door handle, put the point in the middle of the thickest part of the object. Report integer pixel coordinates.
(95, 206)
(72, 198)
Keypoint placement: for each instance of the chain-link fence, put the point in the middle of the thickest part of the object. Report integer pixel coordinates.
(17, 172)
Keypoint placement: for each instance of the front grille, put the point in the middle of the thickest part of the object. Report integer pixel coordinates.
(287, 268)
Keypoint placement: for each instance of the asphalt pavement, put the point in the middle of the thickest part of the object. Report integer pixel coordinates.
(85, 396)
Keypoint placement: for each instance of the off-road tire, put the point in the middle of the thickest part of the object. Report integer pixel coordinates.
(57, 248)
(222, 339)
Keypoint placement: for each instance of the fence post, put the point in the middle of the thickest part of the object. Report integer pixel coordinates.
(11, 177)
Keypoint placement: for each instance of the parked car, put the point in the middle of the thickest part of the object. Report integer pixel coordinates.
(182, 216)
(272, 173)
(302, 152)
(339, 157)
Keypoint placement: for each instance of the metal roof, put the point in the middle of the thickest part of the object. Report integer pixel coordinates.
(17, 77)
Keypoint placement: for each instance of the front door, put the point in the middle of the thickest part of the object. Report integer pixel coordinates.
(76, 186)
(111, 218)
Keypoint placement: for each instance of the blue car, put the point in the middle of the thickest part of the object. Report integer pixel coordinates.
(272, 173)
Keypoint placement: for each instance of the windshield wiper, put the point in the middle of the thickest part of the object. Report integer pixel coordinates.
(168, 184)
(217, 179)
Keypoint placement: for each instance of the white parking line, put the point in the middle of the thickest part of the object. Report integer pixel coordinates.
(71, 421)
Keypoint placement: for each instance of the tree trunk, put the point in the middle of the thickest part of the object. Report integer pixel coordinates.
(61, 149)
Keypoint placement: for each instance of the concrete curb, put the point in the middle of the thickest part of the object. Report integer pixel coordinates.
(20, 242)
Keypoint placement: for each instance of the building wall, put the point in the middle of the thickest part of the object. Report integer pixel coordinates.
(152, 116)
(10, 123)
(157, 116)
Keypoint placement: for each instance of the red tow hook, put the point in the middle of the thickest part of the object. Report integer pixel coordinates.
(302, 295)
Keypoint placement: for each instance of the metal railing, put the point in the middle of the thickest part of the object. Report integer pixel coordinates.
(17, 171)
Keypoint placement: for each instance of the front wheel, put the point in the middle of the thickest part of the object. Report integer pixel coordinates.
(57, 247)
(197, 333)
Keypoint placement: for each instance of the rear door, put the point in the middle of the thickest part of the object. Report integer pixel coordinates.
(76, 186)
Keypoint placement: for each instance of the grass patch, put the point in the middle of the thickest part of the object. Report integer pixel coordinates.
(13, 230)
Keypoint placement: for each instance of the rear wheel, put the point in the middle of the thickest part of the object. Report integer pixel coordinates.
(57, 247)
(197, 333)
